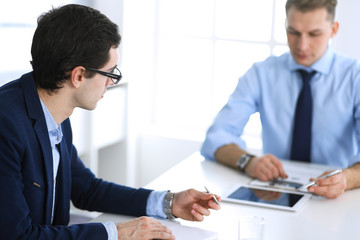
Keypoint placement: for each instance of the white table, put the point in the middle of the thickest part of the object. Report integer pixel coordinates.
(319, 219)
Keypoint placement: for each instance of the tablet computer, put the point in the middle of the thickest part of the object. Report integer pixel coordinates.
(265, 197)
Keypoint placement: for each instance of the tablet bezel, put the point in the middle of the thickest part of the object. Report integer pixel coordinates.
(300, 204)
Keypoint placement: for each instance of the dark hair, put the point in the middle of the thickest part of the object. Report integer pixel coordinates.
(308, 5)
(67, 37)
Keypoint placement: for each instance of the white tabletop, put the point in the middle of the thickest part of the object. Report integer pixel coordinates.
(319, 219)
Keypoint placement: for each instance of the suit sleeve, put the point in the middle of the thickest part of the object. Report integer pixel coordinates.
(95, 194)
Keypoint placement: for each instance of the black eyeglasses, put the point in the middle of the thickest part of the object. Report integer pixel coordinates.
(115, 75)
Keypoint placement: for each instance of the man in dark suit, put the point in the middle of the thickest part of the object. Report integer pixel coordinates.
(74, 59)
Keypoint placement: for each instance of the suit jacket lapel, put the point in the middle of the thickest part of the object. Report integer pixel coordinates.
(36, 113)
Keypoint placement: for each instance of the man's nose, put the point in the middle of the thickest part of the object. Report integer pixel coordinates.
(303, 42)
(109, 82)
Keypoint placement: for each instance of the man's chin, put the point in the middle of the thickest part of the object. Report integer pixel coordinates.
(90, 108)
(304, 62)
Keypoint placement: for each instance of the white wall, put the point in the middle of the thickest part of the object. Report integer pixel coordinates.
(159, 153)
(138, 70)
(347, 40)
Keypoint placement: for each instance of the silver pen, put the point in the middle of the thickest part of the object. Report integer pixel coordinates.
(332, 173)
(214, 198)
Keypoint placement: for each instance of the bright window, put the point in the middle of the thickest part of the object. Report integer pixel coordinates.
(203, 47)
(18, 21)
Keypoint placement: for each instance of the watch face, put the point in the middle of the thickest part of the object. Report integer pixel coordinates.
(244, 159)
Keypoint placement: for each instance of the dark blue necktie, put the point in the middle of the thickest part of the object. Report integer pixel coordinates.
(301, 142)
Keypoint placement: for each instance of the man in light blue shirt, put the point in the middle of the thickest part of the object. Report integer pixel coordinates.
(272, 88)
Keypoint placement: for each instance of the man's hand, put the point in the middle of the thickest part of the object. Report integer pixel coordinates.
(143, 228)
(265, 168)
(193, 205)
(331, 187)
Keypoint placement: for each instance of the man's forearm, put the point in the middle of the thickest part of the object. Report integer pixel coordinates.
(352, 176)
(229, 154)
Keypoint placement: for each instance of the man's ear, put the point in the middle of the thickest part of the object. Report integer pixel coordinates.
(334, 29)
(77, 76)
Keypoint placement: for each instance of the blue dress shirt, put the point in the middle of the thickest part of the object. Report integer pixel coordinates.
(155, 200)
(272, 87)
(55, 135)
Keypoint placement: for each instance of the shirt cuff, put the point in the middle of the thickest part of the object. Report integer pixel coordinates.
(111, 230)
(155, 204)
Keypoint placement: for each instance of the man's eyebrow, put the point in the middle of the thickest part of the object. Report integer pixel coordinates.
(316, 31)
(289, 28)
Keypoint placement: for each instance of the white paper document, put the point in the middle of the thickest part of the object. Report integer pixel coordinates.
(182, 232)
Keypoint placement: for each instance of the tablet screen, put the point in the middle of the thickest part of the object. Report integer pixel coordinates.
(265, 197)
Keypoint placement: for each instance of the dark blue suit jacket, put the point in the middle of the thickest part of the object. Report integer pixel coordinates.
(26, 173)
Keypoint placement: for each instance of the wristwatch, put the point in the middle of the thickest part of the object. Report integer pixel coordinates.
(244, 160)
(168, 200)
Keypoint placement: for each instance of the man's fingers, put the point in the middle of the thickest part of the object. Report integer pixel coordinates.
(268, 168)
(328, 192)
(279, 167)
(143, 228)
(200, 209)
(331, 187)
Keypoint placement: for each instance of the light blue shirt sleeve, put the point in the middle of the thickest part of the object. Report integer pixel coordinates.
(272, 87)
(230, 122)
(155, 204)
(111, 230)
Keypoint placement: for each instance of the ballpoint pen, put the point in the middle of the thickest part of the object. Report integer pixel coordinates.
(214, 198)
(312, 183)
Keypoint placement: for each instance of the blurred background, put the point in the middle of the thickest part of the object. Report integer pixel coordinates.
(180, 60)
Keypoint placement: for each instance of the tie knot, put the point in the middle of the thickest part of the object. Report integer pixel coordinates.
(305, 75)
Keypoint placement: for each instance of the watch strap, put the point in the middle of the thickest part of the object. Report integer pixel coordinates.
(168, 201)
